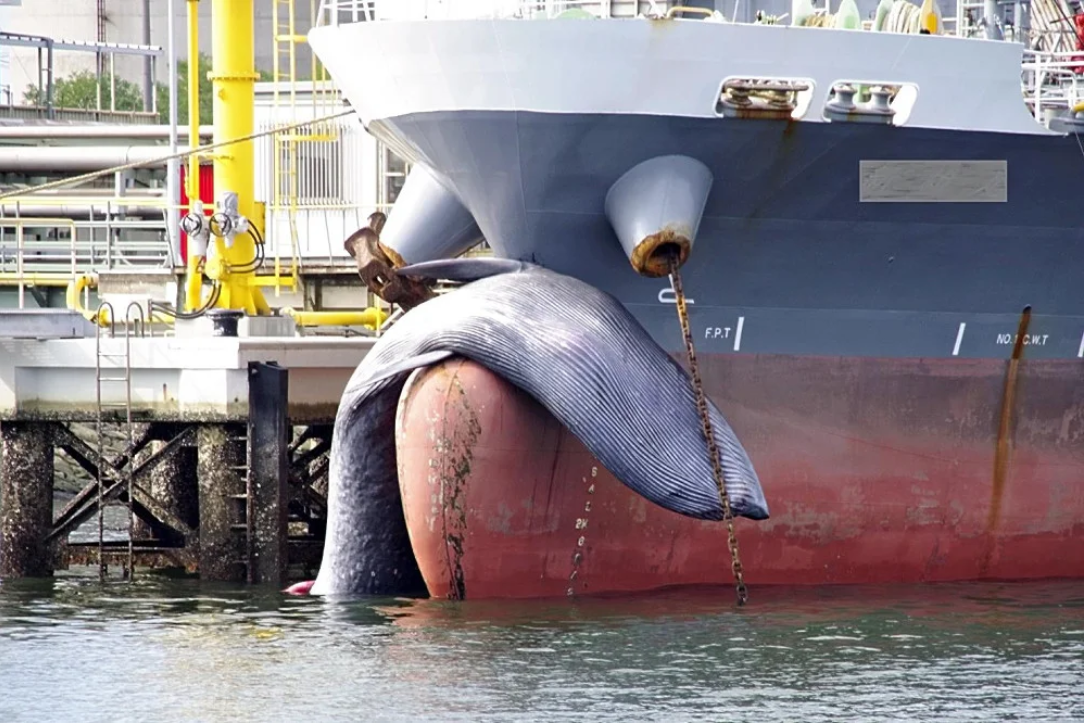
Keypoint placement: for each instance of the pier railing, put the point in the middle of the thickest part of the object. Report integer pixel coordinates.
(49, 242)
(75, 115)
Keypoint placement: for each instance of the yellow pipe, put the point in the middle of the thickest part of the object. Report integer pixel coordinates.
(194, 276)
(71, 297)
(232, 78)
(14, 278)
(76, 288)
(194, 282)
(1077, 107)
(370, 318)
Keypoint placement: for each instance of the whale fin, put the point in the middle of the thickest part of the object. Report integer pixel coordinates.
(462, 269)
(404, 365)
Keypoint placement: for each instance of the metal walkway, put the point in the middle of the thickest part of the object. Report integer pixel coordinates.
(51, 241)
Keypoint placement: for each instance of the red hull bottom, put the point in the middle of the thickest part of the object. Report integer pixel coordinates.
(872, 475)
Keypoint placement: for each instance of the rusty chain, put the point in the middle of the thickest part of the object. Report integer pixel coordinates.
(707, 430)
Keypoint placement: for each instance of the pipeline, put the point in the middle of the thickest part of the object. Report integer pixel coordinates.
(370, 318)
(74, 290)
(161, 160)
(79, 158)
(82, 211)
(48, 132)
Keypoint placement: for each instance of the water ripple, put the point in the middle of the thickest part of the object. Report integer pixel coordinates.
(187, 651)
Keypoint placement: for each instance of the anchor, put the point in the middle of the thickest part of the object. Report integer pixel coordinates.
(377, 267)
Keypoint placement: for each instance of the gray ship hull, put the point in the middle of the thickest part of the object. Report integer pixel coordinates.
(788, 258)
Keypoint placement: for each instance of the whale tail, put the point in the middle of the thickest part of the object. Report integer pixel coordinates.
(300, 588)
(745, 493)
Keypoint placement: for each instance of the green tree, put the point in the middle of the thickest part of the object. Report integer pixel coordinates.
(203, 68)
(163, 92)
(80, 90)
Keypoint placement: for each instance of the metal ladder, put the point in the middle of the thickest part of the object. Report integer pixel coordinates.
(105, 315)
(284, 149)
(243, 501)
(289, 193)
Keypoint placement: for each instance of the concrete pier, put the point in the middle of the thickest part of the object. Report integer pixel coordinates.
(228, 466)
(26, 499)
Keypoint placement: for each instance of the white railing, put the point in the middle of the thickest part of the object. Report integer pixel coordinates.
(111, 231)
(600, 8)
(53, 250)
(1050, 81)
(1050, 28)
(337, 12)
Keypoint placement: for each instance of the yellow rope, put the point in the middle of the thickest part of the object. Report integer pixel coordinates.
(162, 159)
(903, 17)
(907, 17)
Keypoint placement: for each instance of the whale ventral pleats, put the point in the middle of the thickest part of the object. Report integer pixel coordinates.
(592, 384)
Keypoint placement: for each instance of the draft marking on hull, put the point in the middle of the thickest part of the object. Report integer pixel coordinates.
(667, 296)
(958, 341)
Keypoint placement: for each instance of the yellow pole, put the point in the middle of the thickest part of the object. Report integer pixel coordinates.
(233, 76)
(193, 180)
(194, 279)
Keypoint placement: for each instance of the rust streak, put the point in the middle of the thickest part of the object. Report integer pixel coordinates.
(443, 447)
(1003, 437)
(457, 450)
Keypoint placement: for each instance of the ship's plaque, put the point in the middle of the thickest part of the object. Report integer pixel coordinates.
(933, 181)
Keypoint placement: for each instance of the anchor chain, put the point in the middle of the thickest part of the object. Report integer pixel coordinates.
(707, 430)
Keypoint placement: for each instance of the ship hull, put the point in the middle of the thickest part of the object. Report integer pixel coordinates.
(875, 470)
(787, 225)
(856, 333)
(860, 349)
